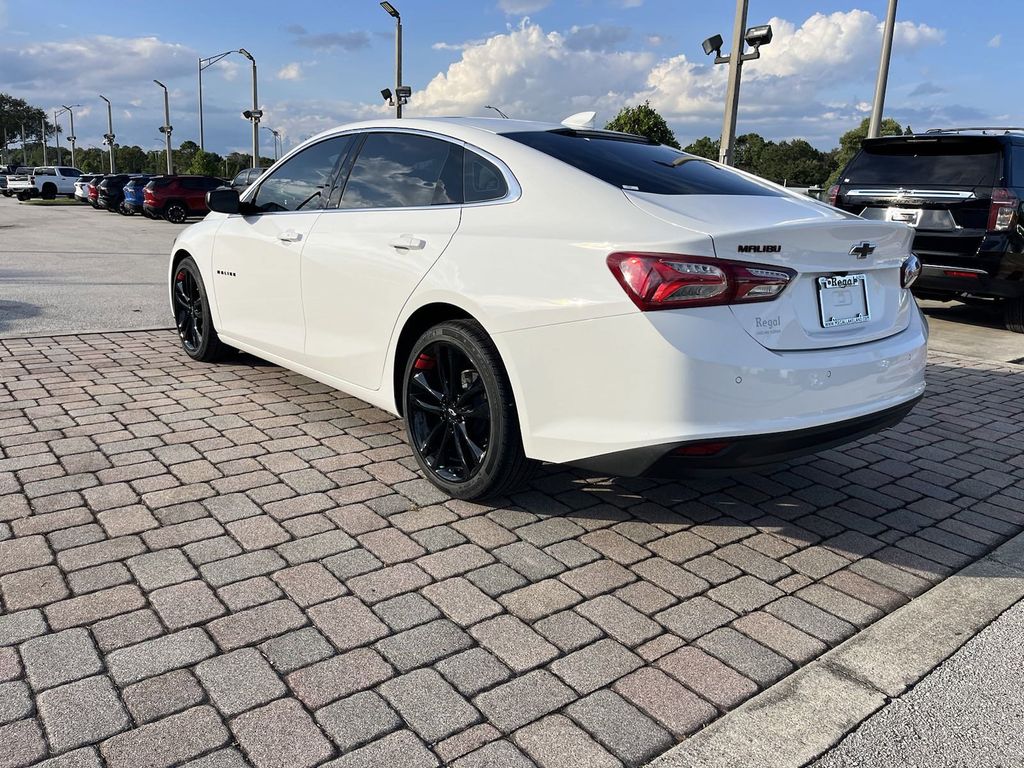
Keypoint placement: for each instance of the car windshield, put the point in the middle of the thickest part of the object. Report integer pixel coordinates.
(638, 165)
(928, 163)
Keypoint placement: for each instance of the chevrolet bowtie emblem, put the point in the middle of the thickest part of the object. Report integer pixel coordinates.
(862, 250)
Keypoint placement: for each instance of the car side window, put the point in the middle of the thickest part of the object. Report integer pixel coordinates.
(402, 170)
(483, 181)
(303, 183)
(73, 173)
(240, 179)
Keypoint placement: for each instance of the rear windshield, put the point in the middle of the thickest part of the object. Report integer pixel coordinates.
(948, 163)
(639, 166)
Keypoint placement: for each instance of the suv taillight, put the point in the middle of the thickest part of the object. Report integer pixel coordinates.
(833, 194)
(667, 281)
(1002, 212)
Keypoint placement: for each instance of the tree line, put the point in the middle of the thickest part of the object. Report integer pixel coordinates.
(16, 116)
(795, 163)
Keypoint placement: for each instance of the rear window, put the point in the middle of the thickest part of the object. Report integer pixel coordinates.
(639, 166)
(946, 163)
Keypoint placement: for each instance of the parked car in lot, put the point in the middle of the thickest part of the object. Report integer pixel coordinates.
(82, 187)
(18, 177)
(961, 190)
(93, 190)
(45, 181)
(526, 292)
(133, 194)
(246, 177)
(110, 191)
(175, 198)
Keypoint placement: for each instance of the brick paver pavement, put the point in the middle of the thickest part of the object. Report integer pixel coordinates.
(229, 565)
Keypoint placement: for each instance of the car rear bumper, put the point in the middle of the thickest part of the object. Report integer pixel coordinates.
(947, 281)
(595, 392)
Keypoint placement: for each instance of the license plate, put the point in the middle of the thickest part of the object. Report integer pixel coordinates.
(843, 300)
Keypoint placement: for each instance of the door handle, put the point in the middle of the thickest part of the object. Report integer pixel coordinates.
(289, 236)
(408, 243)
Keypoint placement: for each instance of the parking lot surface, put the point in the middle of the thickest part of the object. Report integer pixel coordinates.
(69, 268)
(233, 560)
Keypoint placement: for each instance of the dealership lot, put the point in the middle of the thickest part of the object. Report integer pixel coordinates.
(200, 559)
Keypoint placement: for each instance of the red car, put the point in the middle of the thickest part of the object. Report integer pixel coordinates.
(94, 191)
(175, 198)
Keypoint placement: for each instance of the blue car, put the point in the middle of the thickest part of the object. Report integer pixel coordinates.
(133, 195)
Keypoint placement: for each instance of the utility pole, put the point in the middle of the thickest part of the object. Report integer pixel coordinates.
(24, 146)
(109, 137)
(393, 13)
(56, 135)
(255, 113)
(732, 94)
(875, 127)
(42, 123)
(166, 128)
(71, 138)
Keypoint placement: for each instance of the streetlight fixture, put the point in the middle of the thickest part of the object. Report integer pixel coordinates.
(402, 93)
(255, 113)
(209, 61)
(166, 128)
(875, 126)
(277, 137)
(108, 137)
(56, 136)
(755, 37)
(42, 136)
(71, 138)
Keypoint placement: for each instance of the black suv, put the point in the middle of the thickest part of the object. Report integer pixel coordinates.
(961, 189)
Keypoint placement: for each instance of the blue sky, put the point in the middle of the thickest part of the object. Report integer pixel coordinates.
(321, 64)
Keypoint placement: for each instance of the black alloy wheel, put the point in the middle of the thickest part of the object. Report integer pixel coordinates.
(192, 315)
(460, 413)
(176, 213)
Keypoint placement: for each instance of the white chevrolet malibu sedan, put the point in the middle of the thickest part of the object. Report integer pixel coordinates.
(523, 292)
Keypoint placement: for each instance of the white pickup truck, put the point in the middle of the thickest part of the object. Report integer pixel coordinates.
(45, 181)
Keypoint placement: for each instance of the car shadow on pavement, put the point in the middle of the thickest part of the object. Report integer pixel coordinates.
(11, 311)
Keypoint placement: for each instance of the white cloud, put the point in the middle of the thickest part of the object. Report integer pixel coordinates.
(996, 41)
(292, 71)
(516, 7)
(534, 74)
(228, 69)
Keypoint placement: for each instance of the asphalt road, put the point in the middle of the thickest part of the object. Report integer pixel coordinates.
(69, 268)
(965, 714)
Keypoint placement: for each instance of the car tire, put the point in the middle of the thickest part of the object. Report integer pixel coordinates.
(192, 316)
(460, 413)
(48, 192)
(124, 210)
(22, 196)
(1013, 315)
(176, 212)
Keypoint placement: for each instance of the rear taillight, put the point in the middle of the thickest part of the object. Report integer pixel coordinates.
(666, 281)
(910, 271)
(833, 194)
(1002, 212)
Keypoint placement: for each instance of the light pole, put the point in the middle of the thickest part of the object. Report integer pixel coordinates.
(166, 128)
(71, 138)
(206, 63)
(756, 37)
(254, 114)
(875, 127)
(42, 135)
(108, 137)
(56, 135)
(393, 12)
(277, 137)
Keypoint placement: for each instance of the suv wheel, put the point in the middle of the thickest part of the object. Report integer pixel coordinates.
(192, 315)
(460, 415)
(49, 191)
(176, 212)
(1013, 314)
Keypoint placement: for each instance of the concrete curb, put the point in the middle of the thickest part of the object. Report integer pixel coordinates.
(800, 718)
(65, 334)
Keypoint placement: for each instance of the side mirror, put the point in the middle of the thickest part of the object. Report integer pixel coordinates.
(222, 200)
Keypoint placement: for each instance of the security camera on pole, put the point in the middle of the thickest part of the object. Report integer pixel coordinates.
(71, 138)
(754, 37)
(108, 137)
(402, 92)
(166, 128)
(255, 113)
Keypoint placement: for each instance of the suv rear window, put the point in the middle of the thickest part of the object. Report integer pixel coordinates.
(959, 162)
(637, 165)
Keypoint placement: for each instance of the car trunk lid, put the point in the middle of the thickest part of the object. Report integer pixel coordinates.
(848, 287)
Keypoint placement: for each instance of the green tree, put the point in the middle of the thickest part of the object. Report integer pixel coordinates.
(643, 120)
(705, 147)
(206, 164)
(130, 159)
(850, 141)
(15, 115)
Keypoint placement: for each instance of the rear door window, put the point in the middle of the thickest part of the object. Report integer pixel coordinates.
(402, 170)
(637, 165)
(957, 162)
